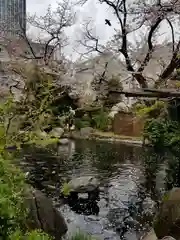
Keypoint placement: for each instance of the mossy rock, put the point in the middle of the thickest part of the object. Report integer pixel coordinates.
(167, 220)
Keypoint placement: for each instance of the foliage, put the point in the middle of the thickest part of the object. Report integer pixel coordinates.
(172, 178)
(12, 188)
(12, 209)
(162, 132)
(98, 120)
(20, 121)
(101, 120)
(150, 111)
(81, 123)
(65, 190)
(33, 235)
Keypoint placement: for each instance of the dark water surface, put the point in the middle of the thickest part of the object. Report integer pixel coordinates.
(132, 180)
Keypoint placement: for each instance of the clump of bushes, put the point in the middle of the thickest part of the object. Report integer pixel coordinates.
(101, 120)
(12, 210)
(33, 235)
(98, 120)
(151, 111)
(162, 132)
(84, 121)
(12, 187)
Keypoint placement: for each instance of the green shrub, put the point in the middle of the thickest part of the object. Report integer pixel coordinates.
(12, 187)
(33, 235)
(12, 210)
(81, 123)
(162, 132)
(101, 120)
(151, 111)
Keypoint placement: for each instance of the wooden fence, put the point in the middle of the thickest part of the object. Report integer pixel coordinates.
(127, 124)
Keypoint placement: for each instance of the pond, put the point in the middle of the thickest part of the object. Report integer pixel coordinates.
(131, 183)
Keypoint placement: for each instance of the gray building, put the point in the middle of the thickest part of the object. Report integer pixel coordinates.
(13, 15)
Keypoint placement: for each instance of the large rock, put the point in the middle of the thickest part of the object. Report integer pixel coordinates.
(57, 132)
(42, 134)
(150, 235)
(83, 184)
(86, 132)
(168, 238)
(167, 221)
(42, 215)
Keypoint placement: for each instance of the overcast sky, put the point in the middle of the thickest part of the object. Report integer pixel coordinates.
(92, 10)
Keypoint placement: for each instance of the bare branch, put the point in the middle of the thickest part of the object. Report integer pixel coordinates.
(90, 41)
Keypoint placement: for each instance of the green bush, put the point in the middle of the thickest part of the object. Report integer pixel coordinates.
(12, 187)
(101, 120)
(81, 123)
(33, 235)
(12, 210)
(162, 132)
(151, 111)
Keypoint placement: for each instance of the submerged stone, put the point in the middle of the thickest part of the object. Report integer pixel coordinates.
(83, 184)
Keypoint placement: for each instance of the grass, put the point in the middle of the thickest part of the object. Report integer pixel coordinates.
(116, 136)
(82, 236)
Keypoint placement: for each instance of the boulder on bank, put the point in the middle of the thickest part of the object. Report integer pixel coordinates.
(42, 215)
(57, 132)
(152, 236)
(86, 132)
(42, 134)
(168, 238)
(167, 220)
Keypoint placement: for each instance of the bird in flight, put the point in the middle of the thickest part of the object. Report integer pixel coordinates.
(107, 21)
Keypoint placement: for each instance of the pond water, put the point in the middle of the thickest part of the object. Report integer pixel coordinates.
(131, 183)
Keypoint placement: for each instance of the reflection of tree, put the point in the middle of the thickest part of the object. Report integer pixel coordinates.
(173, 171)
(151, 161)
(42, 166)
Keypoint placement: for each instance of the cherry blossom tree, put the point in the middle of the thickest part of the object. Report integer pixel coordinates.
(144, 18)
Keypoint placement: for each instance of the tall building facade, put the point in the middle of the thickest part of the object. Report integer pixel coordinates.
(13, 15)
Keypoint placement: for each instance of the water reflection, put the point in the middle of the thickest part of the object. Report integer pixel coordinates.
(128, 183)
(173, 171)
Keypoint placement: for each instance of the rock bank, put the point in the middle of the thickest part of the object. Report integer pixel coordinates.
(167, 220)
(43, 215)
